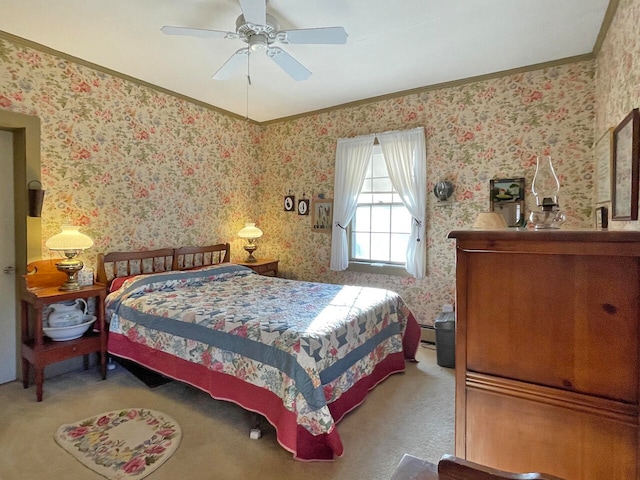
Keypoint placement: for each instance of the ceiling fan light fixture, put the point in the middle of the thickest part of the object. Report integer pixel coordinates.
(258, 43)
(260, 31)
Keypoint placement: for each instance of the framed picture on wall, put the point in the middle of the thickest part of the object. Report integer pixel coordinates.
(303, 206)
(603, 154)
(289, 203)
(322, 214)
(626, 153)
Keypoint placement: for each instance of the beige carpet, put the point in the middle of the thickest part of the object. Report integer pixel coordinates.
(408, 413)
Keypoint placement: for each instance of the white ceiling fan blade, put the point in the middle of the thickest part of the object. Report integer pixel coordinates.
(236, 60)
(324, 35)
(197, 32)
(295, 69)
(254, 11)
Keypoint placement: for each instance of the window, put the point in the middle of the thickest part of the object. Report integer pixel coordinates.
(382, 231)
(381, 225)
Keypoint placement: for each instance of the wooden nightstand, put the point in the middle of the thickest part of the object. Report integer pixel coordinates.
(39, 291)
(264, 266)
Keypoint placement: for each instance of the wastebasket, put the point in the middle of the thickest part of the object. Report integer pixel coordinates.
(445, 327)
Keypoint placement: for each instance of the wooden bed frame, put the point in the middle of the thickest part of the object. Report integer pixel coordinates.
(124, 264)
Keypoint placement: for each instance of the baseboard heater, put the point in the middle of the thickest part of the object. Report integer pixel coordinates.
(428, 334)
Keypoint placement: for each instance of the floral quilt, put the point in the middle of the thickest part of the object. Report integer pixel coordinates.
(306, 342)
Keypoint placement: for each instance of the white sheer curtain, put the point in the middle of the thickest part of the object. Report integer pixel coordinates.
(352, 157)
(406, 157)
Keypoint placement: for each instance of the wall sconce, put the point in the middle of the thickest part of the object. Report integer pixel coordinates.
(250, 232)
(70, 242)
(36, 198)
(443, 190)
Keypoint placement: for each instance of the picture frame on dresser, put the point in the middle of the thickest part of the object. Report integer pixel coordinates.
(625, 164)
(506, 196)
(601, 217)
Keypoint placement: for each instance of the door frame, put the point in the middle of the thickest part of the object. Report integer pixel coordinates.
(28, 230)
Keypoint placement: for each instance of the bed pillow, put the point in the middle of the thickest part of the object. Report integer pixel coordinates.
(117, 282)
(201, 267)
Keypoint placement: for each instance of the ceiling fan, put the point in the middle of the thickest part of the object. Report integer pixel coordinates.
(260, 31)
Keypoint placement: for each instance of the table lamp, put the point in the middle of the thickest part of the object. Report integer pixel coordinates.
(250, 232)
(70, 242)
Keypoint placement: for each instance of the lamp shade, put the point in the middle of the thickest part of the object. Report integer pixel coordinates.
(490, 221)
(250, 231)
(69, 239)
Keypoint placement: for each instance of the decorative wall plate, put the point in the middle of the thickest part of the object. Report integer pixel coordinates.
(303, 206)
(289, 203)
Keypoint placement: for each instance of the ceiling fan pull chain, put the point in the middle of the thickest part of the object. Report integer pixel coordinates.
(248, 81)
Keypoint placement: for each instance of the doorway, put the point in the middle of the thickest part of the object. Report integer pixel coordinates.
(22, 132)
(8, 321)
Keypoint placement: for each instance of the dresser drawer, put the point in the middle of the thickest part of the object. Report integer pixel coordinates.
(521, 431)
(569, 322)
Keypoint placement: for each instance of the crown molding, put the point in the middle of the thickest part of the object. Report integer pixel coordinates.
(439, 86)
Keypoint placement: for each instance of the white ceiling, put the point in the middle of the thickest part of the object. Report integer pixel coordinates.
(393, 45)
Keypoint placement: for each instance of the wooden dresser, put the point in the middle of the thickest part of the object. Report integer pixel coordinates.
(547, 351)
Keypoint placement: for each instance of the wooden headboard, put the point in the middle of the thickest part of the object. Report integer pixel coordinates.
(190, 257)
(124, 264)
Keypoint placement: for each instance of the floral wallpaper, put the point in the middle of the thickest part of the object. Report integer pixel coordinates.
(618, 76)
(134, 167)
(475, 132)
(138, 168)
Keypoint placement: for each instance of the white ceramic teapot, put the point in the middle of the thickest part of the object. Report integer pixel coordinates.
(67, 314)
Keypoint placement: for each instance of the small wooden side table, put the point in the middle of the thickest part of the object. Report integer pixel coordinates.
(263, 266)
(39, 350)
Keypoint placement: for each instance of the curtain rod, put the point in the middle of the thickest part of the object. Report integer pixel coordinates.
(375, 135)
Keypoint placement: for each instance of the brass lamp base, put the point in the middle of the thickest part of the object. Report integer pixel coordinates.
(250, 248)
(71, 267)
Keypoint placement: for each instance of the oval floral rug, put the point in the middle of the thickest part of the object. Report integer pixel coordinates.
(122, 444)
